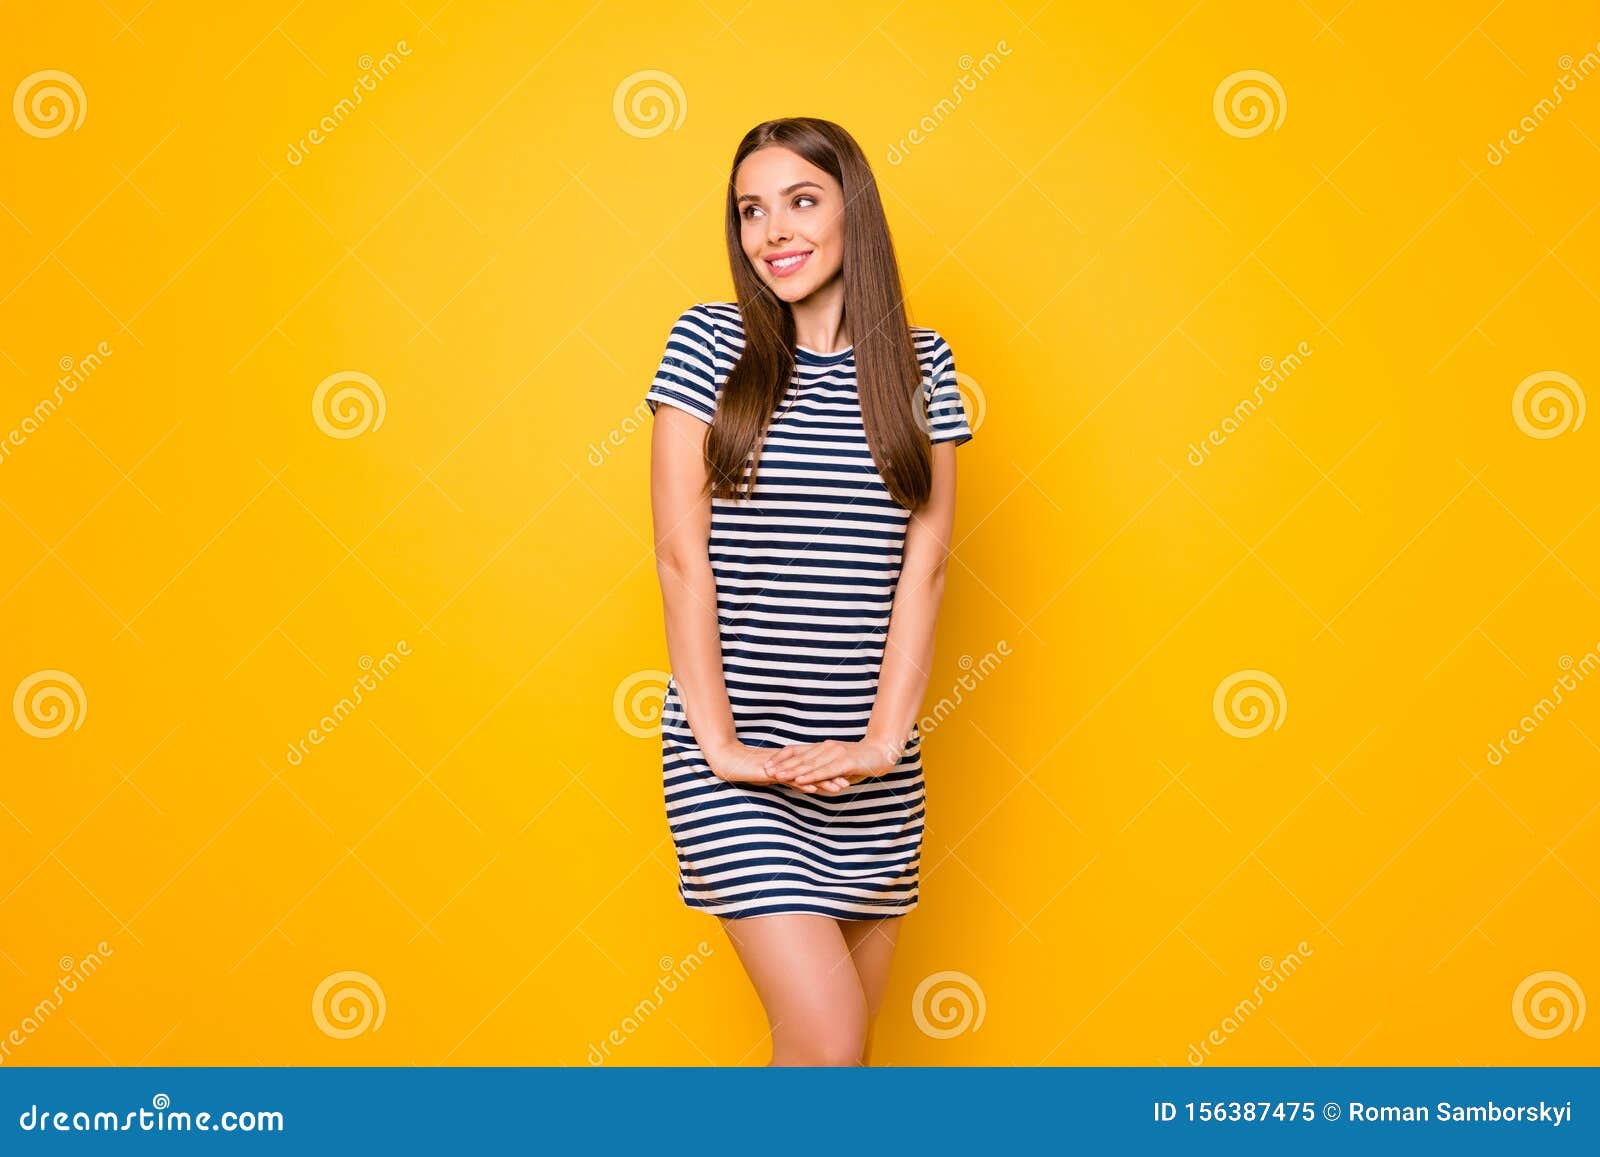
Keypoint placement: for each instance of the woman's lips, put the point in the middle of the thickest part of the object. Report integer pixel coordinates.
(791, 268)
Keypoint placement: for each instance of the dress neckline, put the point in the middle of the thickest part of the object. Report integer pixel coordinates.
(812, 357)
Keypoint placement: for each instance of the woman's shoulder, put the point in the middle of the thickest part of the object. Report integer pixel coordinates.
(720, 317)
(932, 350)
(714, 326)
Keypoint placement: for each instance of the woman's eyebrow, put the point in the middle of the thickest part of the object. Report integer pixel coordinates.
(786, 190)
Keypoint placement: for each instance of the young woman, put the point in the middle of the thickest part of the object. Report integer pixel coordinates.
(803, 486)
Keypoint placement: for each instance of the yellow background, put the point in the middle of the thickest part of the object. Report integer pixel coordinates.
(483, 838)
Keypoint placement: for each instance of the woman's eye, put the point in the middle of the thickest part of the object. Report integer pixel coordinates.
(750, 210)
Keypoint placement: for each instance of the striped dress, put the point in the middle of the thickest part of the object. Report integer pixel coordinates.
(805, 575)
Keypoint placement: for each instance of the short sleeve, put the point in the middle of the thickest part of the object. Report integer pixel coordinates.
(947, 416)
(687, 377)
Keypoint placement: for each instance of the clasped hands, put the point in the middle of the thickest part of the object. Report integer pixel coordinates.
(828, 767)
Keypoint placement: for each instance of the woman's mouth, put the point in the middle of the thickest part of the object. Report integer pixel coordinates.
(784, 265)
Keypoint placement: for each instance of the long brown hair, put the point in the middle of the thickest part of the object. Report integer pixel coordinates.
(888, 376)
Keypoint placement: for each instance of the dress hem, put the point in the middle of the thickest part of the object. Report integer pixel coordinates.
(799, 910)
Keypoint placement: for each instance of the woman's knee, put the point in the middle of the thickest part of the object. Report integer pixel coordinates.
(835, 1047)
(831, 1036)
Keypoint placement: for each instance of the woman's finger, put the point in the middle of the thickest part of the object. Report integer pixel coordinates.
(815, 774)
(805, 764)
(777, 756)
(808, 774)
(780, 759)
(782, 767)
(835, 764)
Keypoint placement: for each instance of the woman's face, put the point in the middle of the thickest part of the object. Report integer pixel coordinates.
(789, 209)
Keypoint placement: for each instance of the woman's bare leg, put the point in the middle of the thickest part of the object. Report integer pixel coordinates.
(802, 971)
(871, 944)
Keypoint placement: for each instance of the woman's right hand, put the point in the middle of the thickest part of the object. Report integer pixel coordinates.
(741, 763)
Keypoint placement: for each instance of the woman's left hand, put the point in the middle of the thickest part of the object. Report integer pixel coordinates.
(831, 765)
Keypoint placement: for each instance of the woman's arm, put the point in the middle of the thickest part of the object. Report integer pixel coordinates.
(682, 516)
(908, 654)
(908, 651)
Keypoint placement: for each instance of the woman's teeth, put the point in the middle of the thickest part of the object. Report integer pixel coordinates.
(787, 265)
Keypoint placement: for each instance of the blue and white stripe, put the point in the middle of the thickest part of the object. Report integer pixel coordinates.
(805, 573)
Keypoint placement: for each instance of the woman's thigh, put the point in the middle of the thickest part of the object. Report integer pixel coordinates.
(871, 944)
(805, 975)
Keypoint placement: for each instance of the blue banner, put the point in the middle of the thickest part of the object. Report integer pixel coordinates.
(705, 1110)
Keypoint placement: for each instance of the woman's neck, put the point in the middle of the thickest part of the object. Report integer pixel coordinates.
(819, 321)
